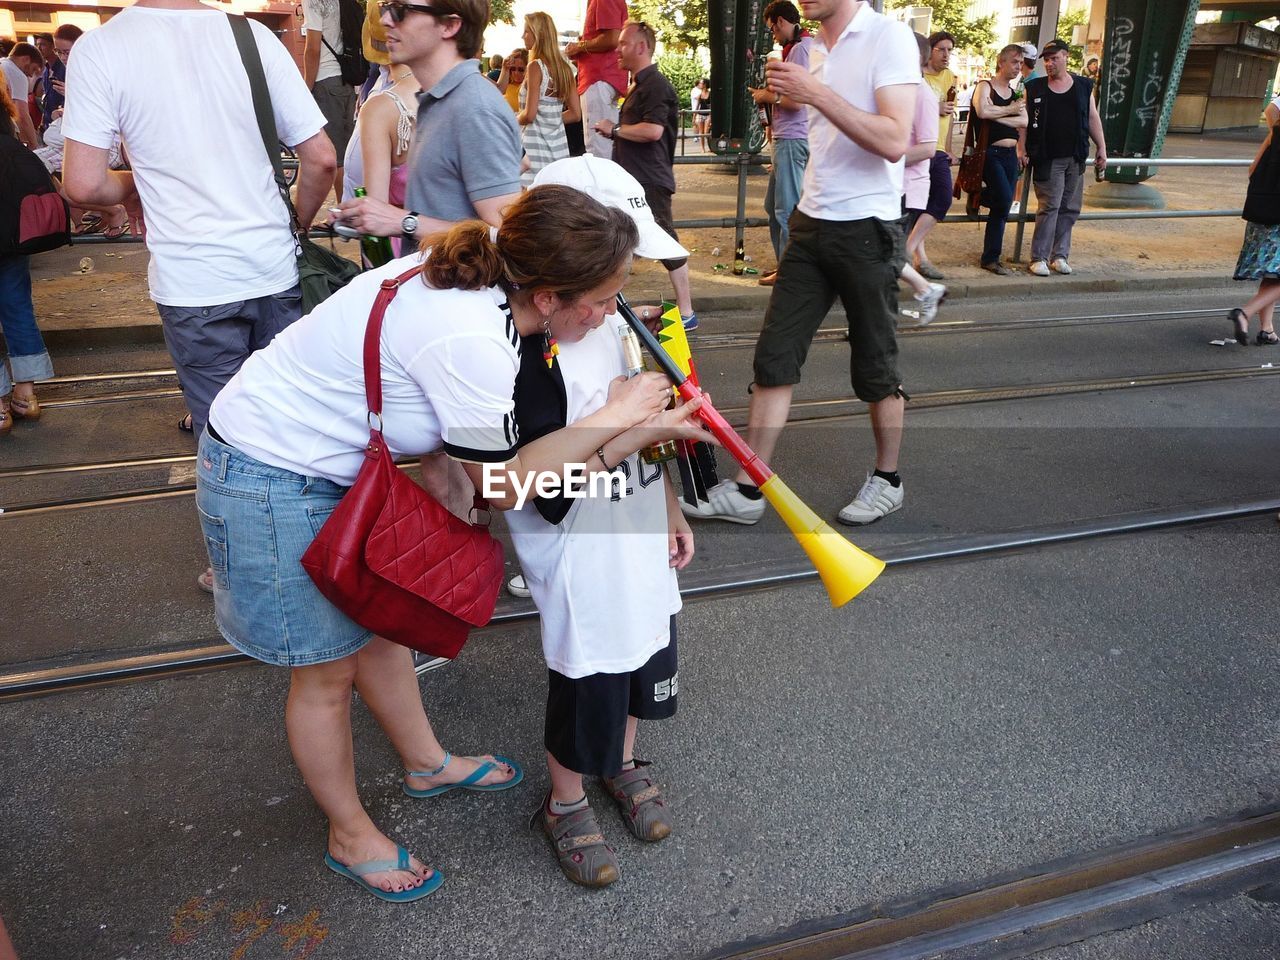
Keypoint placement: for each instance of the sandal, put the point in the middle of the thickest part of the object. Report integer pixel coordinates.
(1267, 338)
(579, 845)
(640, 802)
(6, 423)
(26, 409)
(470, 783)
(1239, 325)
(115, 233)
(358, 871)
(185, 424)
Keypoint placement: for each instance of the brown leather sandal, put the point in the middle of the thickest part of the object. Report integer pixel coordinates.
(579, 846)
(640, 802)
(26, 408)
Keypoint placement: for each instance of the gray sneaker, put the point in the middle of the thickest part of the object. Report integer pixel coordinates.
(724, 502)
(930, 301)
(877, 498)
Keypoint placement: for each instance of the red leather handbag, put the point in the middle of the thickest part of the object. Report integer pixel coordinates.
(390, 556)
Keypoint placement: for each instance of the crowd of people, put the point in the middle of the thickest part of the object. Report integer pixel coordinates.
(500, 347)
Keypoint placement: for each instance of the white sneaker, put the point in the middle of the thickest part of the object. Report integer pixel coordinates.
(517, 587)
(1060, 265)
(1039, 268)
(724, 502)
(930, 301)
(877, 498)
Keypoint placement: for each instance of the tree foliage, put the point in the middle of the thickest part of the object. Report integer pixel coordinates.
(973, 35)
(500, 11)
(681, 25)
(1066, 24)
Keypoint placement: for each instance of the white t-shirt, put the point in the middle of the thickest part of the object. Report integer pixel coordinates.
(601, 578)
(449, 362)
(19, 82)
(323, 15)
(217, 228)
(843, 181)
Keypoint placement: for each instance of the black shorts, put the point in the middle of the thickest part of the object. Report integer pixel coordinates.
(659, 201)
(587, 717)
(857, 261)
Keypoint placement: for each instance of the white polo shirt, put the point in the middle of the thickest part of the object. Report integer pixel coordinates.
(843, 181)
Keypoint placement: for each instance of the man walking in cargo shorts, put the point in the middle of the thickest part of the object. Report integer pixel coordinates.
(846, 241)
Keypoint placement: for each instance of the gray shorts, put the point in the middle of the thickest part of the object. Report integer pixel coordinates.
(337, 102)
(208, 344)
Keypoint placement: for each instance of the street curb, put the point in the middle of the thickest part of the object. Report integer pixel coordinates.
(132, 334)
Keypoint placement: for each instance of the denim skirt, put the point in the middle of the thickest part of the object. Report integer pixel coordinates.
(258, 520)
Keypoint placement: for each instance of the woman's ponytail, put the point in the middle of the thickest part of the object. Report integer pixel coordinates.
(462, 258)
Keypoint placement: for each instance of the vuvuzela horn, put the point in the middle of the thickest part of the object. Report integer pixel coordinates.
(845, 570)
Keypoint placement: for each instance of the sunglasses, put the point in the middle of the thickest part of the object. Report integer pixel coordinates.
(399, 10)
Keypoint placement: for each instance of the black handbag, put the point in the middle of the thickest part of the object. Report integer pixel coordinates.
(1262, 201)
(321, 272)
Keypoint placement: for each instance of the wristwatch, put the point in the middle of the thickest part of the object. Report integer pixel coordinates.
(409, 224)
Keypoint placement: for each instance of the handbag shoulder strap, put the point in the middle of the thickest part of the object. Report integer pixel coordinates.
(252, 60)
(373, 337)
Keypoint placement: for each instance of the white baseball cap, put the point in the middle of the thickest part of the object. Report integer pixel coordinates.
(611, 185)
(1029, 51)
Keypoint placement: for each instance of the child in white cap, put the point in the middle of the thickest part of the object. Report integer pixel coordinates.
(602, 571)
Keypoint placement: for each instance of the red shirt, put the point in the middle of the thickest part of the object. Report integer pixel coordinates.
(602, 15)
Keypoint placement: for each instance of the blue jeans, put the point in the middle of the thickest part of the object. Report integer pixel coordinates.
(1000, 180)
(28, 359)
(790, 157)
(258, 520)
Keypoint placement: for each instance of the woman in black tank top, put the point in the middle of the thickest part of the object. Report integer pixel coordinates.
(1004, 113)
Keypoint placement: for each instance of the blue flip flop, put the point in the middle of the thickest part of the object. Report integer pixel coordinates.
(357, 873)
(471, 783)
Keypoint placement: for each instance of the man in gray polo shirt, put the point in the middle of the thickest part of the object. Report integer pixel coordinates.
(465, 159)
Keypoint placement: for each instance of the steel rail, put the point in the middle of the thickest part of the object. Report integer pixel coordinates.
(831, 409)
(95, 465)
(73, 379)
(1131, 877)
(19, 682)
(721, 341)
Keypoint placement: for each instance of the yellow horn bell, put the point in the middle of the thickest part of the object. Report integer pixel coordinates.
(845, 570)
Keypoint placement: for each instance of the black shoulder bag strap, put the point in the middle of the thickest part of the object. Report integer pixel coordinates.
(262, 110)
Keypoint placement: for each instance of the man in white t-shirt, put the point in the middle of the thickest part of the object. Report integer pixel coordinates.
(846, 240)
(223, 270)
(20, 68)
(322, 26)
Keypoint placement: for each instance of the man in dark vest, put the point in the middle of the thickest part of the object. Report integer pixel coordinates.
(1063, 118)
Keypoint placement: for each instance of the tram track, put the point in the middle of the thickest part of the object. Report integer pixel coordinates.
(1046, 906)
(708, 341)
(837, 334)
(68, 674)
(816, 410)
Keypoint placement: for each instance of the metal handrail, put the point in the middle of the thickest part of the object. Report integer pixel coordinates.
(740, 221)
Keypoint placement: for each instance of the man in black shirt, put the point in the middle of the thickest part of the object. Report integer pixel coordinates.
(1062, 120)
(644, 143)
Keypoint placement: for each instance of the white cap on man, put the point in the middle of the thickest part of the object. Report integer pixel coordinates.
(1029, 53)
(611, 185)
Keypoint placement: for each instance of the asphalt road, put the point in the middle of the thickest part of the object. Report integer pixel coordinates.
(959, 720)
